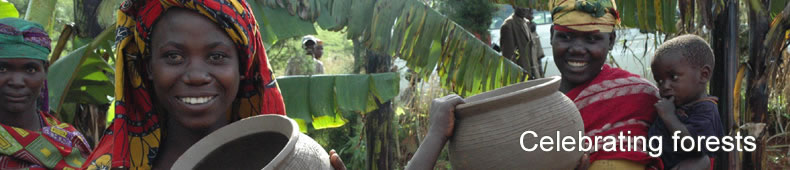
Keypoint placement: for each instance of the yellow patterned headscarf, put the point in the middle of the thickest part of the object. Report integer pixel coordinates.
(584, 15)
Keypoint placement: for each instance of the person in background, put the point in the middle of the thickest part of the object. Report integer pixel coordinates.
(520, 43)
(31, 138)
(310, 64)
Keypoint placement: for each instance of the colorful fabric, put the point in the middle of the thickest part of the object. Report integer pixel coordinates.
(23, 39)
(701, 118)
(57, 146)
(133, 139)
(617, 101)
(584, 15)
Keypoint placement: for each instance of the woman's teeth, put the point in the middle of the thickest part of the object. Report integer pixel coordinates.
(196, 100)
(577, 64)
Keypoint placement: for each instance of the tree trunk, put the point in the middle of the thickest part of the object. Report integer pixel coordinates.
(379, 130)
(86, 19)
(724, 44)
(757, 98)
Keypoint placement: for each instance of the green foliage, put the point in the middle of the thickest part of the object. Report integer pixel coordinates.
(276, 24)
(8, 10)
(81, 77)
(427, 40)
(338, 52)
(474, 15)
(327, 96)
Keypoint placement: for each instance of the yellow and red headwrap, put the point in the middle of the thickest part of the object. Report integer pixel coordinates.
(584, 15)
(132, 140)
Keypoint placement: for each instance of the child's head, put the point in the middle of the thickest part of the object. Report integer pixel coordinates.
(682, 67)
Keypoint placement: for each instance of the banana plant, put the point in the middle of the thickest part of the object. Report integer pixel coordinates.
(331, 95)
(82, 77)
(412, 31)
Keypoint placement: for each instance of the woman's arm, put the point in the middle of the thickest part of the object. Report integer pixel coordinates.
(442, 123)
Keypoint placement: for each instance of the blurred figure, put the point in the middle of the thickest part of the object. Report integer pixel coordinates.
(520, 43)
(310, 64)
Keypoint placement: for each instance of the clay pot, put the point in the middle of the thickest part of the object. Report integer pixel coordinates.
(259, 142)
(489, 126)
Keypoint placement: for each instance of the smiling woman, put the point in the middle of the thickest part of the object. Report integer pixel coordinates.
(187, 68)
(31, 138)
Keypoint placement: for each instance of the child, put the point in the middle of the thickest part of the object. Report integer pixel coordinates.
(682, 68)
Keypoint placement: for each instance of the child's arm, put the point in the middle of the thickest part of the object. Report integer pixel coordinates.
(666, 111)
(442, 123)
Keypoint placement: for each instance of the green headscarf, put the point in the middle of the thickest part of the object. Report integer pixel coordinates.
(23, 39)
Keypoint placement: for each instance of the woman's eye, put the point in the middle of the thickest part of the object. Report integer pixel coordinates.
(674, 77)
(174, 58)
(564, 37)
(217, 58)
(593, 38)
(3, 69)
(31, 70)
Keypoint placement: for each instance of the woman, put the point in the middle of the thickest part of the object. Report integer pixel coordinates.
(610, 100)
(186, 68)
(31, 138)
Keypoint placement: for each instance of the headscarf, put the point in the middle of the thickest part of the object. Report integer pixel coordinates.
(133, 139)
(56, 145)
(23, 39)
(584, 15)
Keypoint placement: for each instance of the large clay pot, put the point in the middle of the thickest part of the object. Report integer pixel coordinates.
(489, 126)
(260, 142)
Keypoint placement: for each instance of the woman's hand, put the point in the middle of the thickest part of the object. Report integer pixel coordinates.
(443, 116)
(335, 160)
(584, 162)
(442, 122)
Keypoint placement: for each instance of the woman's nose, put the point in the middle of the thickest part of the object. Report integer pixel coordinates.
(16, 81)
(196, 76)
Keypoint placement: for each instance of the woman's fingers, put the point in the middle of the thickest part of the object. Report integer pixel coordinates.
(335, 160)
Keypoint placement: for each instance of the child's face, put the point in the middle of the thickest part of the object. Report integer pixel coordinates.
(679, 78)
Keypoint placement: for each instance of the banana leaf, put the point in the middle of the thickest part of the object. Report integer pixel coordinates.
(352, 92)
(82, 76)
(385, 85)
(295, 92)
(8, 9)
(321, 96)
(276, 24)
(320, 100)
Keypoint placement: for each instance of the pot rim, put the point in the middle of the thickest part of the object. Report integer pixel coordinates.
(542, 83)
(251, 125)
